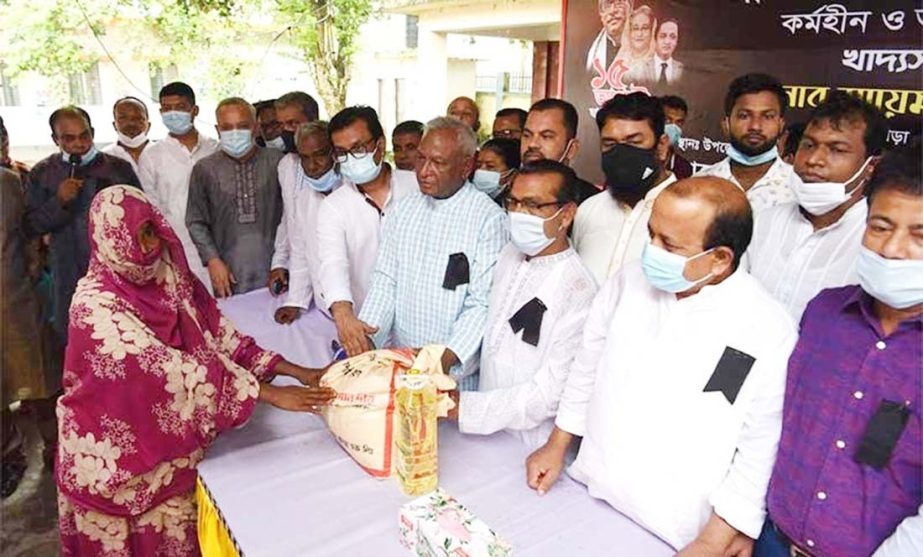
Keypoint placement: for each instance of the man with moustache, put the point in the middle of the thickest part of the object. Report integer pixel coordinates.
(754, 119)
(606, 47)
(802, 247)
(551, 133)
(131, 125)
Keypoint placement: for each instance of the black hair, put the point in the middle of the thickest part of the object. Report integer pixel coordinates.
(755, 83)
(567, 191)
(840, 107)
(634, 106)
(351, 114)
(408, 126)
(899, 169)
(260, 106)
(178, 89)
(672, 101)
(793, 139)
(130, 98)
(672, 20)
(505, 148)
(69, 111)
(568, 113)
(519, 113)
(307, 103)
(733, 229)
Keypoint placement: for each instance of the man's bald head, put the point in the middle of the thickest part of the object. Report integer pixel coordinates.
(730, 218)
(466, 110)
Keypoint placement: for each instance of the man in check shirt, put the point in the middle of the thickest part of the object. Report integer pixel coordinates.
(349, 219)
(677, 391)
(800, 248)
(848, 481)
(432, 279)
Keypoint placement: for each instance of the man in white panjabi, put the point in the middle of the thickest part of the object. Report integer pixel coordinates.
(306, 178)
(678, 385)
(539, 300)
(165, 167)
(810, 244)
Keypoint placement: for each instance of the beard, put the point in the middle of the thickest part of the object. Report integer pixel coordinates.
(753, 150)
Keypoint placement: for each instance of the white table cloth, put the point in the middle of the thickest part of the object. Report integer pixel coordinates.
(285, 488)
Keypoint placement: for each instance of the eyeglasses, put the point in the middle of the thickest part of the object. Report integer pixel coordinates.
(506, 134)
(529, 207)
(359, 151)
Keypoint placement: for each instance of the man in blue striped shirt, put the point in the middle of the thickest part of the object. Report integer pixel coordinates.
(431, 283)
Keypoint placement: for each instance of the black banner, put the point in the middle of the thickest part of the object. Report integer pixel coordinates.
(694, 48)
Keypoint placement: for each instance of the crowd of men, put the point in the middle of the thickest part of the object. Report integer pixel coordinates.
(740, 350)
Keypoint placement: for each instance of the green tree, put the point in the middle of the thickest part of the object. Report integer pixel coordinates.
(205, 37)
(54, 41)
(326, 33)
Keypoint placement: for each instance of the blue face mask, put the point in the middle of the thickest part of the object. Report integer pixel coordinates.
(85, 158)
(325, 183)
(897, 283)
(236, 142)
(664, 270)
(674, 133)
(752, 160)
(177, 122)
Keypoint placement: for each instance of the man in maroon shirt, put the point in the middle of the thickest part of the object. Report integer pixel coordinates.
(848, 480)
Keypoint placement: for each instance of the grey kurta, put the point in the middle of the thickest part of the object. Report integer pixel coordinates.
(232, 213)
(69, 253)
(22, 367)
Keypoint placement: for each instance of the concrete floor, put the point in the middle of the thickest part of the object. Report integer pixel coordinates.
(29, 517)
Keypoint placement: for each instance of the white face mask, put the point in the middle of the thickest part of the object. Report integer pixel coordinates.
(897, 283)
(276, 143)
(360, 170)
(132, 142)
(488, 181)
(819, 198)
(527, 232)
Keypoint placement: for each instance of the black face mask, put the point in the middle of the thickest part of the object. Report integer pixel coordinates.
(289, 139)
(630, 171)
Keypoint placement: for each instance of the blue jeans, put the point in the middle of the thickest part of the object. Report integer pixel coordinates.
(770, 543)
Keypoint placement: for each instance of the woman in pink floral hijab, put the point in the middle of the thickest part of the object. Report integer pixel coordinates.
(153, 372)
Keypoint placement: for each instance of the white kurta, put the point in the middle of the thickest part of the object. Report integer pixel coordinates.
(795, 262)
(348, 232)
(296, 246)
(770, 190)
(117, 150)
(521, 384)
(609, 234)
(164, 169)
(656, 446)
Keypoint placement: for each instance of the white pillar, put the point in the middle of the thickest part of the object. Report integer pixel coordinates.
(431, 79)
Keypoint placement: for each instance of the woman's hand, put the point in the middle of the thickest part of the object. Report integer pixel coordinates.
(306, 375)
(295, 398)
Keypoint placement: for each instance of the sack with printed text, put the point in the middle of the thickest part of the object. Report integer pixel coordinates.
(362, 418)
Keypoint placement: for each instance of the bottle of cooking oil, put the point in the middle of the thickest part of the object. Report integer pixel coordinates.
(417, 459)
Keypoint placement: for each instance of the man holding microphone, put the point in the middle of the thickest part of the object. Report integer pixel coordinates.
(58, 195)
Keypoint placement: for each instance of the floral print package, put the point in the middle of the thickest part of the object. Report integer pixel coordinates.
(437, 525)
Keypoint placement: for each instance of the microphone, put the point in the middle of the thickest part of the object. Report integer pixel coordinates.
(74, 161)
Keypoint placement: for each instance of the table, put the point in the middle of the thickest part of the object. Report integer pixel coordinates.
(285, 488)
